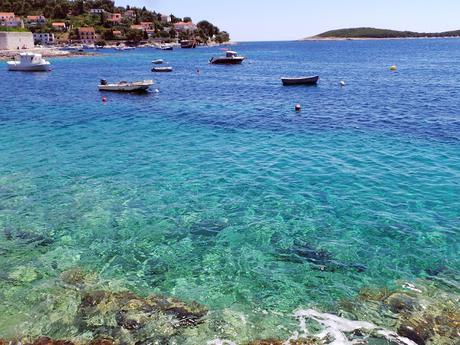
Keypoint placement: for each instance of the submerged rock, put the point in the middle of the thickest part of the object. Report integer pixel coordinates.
(421, 312)
(38, 341)
(412, 334)
(112, 312)
(49, 341)
(321, 259)
(208, 227)
(306, 341)
(101, 341)
(77, 277)
(24, 274)
(188, 314)
(401, 303)
(26, 237)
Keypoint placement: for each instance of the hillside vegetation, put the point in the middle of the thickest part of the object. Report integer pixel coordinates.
(76, 14)
(382, 33)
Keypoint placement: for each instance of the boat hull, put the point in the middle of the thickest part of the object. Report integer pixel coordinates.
(128, 87)
(162, 69)
(300, 81)
(227, 61)
(17, 67)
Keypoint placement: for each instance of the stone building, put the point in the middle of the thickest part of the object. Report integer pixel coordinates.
(16, 40)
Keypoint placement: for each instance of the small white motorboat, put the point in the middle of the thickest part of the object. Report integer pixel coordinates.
(230, 58)
(125, 86)
(123, 48)
(29, 62)
(158, 61)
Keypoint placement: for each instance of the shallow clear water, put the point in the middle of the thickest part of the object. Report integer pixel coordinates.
(215, 190)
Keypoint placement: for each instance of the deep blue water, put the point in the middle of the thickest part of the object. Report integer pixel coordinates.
(215, 190)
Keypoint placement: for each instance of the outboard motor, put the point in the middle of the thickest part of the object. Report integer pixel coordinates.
(103, 82)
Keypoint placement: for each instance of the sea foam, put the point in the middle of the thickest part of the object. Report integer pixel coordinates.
(335, 328)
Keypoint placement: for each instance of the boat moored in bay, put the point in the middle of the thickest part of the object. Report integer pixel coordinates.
(29, 62)
(230, 58)
(313, 80)
(162, 69)
(125, 86)
(188, 44)
(166, 47)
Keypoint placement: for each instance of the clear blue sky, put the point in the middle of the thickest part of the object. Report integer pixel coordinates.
(264, 20)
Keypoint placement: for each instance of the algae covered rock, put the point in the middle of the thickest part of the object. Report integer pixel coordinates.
(188, 314)
(413, 334)
(49, 341)
(401, 303)
(306, 341)
(115, 312)
(24, 274)
(423, 312)
(101, 341)
(77, 277)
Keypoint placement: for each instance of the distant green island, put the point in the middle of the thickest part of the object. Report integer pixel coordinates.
(373, 33)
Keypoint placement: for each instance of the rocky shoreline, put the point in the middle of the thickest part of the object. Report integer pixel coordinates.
(81, 309)
(45, 52)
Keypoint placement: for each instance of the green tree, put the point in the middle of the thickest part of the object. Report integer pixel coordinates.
(222, 37)
(134, 36)
(207, 30)
(108, 35)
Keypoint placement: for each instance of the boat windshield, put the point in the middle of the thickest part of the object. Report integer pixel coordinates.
(231, 54)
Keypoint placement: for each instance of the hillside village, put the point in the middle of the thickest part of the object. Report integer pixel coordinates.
(100, 22)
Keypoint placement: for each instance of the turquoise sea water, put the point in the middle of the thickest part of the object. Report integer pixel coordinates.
(215, 190)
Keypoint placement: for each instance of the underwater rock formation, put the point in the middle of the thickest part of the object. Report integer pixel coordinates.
(26, 237)
(307, 341)
(320, 259)
(77, 276)
(112, 313)
(50, 341)
(208, 227)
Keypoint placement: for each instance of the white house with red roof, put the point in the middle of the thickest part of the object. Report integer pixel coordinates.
(9, 19)
(184, 26)
(36, 20)
(59, 26)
